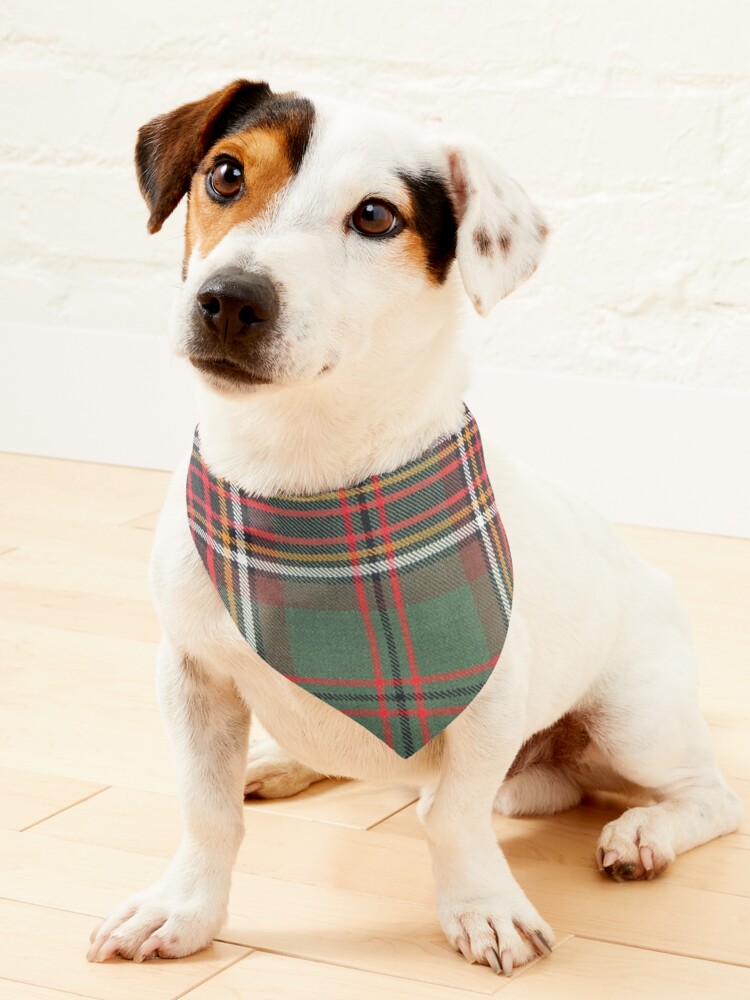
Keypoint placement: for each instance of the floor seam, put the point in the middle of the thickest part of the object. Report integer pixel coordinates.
(71, 805)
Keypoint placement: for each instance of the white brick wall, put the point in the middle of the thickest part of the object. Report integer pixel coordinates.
(628, 121)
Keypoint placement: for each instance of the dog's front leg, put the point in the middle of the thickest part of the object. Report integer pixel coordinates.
(183, 910)
(483, 910)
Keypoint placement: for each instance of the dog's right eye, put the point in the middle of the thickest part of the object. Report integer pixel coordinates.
(224, 180)
(375, 217)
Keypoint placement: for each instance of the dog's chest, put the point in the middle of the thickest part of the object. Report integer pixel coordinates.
(196, 621)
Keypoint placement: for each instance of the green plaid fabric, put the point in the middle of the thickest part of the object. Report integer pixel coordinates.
(389, 600)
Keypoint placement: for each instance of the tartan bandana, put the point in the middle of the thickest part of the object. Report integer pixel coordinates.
(389, 600)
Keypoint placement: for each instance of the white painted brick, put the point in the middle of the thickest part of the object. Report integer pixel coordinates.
(629, 123)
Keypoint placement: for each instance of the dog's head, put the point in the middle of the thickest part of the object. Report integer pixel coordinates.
(317, 232)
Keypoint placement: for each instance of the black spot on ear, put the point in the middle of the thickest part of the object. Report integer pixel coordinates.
(504, 241)
(433, 219)
(482, 242)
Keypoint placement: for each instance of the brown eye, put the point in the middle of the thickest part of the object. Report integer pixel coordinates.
(225, 180)
(374, 217)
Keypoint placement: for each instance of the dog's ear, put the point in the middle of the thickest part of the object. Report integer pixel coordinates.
(170, 147)
(501, 234)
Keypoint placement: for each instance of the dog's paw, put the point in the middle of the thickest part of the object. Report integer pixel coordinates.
(153, 925)
(272, 774)
(636, 845)
(494, 932)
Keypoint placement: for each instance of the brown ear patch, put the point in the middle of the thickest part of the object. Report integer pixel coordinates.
(170, 148)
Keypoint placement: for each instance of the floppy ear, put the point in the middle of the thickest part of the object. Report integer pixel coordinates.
(170, 147)
(500, 232)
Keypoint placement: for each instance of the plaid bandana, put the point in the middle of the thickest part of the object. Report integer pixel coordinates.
(389, 600)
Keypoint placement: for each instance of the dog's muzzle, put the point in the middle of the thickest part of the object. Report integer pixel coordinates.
(234, 312)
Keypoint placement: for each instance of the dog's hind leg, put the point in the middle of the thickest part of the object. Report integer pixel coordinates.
(183, 910)
(272, 774)
(652, 733)
(540, 790)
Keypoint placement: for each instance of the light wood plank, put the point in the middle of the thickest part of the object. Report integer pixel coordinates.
(275, 845)
(78, 611)
(27, 798)
(147, 522)
(732, 751)
(338, 926)
(356, 804)
(26, 991)
(20, 527)
(59, 567)
(45, 948)
(70, 703)
(52, 488)
(390, 860)
(277, 977)
(583, 968)
(677, 910)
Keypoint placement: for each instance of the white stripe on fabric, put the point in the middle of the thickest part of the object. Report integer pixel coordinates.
(240, 559)
(481, 522)
(402, 560)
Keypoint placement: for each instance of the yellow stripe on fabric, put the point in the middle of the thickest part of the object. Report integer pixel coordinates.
(319, 557)
(226, 543)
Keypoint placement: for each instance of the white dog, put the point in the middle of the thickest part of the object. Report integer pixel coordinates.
(320, 308)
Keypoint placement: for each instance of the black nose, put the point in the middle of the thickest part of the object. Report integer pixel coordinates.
(233, 305)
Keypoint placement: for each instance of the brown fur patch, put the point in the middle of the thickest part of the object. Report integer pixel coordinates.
(561, 745)
(542, 231)
(504, 241)
(170, 147)
(482, 242)
(264, 155)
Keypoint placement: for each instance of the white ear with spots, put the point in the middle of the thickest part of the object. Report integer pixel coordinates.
(501, 234)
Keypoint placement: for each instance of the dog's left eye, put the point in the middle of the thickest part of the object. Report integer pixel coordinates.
(374, 217)
(224, 182)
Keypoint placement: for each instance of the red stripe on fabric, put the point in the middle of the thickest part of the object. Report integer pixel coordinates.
(371, 713)
(249, 501)
(210, 563)
(451, 675)
(362, 600)
(361, 536)
(398, 600)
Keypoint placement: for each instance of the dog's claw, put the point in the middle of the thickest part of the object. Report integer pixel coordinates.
(609, 858)
(493, 961)
(94, 949)
(95, 933)
(463, 947)
(541, 943)
(107, 950)
(506, 963)
(149, 949)
(647, 860)
(600, 858)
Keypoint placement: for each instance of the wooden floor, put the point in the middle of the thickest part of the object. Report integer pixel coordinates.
(332, 895)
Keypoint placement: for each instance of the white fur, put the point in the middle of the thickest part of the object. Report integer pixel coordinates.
(594, 628)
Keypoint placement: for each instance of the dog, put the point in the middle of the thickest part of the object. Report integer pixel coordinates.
(326, 246)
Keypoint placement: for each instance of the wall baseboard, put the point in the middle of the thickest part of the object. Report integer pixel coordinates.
(659, 455)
